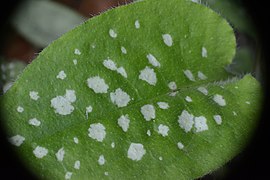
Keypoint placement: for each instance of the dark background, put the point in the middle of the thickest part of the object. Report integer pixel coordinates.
(252, 163)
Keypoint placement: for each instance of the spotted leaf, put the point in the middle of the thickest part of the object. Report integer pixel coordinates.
(140, 91)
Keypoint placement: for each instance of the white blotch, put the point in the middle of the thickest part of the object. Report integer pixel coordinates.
(97, 132)
(180, 145)
(189, 75)
(123, 50)
(148, 111)
(62, 104)
(110, 64)
(136, 151)
(34, 122)
(218, 119)
(112, 33)
(163, 130)
(77, 52)
(76, 140)
(163, 105)
(68, 175)
(148, 75)
(167, 39)
(172, 86)
(123, 122)
(88, 110)
(61, 75)
(172, 94)
(77, 164)
(201, 76)
(97, 84)
(148, 132)
(113, 145)
(16, 140)
(60, 154)
(152, 60)
(188, 99)
(137, 24)
(219, 100)
(120, 98)
(122, 72)
(101, 160)
(160, 158)
(40, 152)
(75, 61)
(34, 95)
(236, 87)
(204, 52)
(200, 124)
(106, 173)
(93, 46)
(20, 109)
(185, 121)
(234, 113)
(203, 90)
(247, 102)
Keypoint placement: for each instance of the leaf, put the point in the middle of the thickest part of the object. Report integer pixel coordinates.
(138, 92)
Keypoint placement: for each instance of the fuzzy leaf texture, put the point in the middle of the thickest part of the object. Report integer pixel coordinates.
(139, 92)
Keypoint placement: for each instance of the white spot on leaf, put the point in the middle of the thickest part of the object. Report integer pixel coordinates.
(88, 110)
(172, 86)
(62, 104)
(97, 132)
(110, 64)
(122, 72)
(201, 76)
(204, 52)
(60, 154)
(97, 84)
(218, 119)
(185, 121)
(77, 164)
(163, 105)
(76, 140)
(188, 99)
(203, 90)
(20, 109)
(200, 124)
(34, 122)
(61, 75)
(113, 145)
(40, 152)
(16, 140)
(148, 111)
(136, 151)
(120, 98)
(101, 160)
(68, 175)
(137, 24)
(167, 39)
(180, 145)
(219, 100)
(148, 132)
(152, 60)
(75, 61)
(160, 158)
(163, 130)
(77, 52)
(123, 122)
(112, 33)
(34, 95)
(189, 75)
(123, 50)
(148, 75)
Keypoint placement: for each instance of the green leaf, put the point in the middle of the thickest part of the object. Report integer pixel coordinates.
(139, 92)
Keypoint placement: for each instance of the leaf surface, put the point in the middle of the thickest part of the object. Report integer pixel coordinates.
(138, 92)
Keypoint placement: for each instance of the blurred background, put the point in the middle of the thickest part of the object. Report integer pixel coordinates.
(29, 26)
